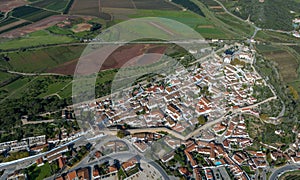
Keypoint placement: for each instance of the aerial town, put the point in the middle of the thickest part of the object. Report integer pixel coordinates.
(192, 125)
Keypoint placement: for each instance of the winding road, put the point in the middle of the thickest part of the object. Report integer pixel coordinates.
(280, 171)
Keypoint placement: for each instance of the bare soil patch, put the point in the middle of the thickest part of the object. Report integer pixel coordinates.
(11, 25)
(82, 27)
(119, 57)
(8, 5)
(42, 24)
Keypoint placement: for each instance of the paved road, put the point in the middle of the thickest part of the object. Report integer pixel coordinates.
(281, 170)
(33, 158)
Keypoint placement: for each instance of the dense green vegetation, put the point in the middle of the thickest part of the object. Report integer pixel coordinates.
(273, 14)
(290, 120)
(14, 156)
(39, 173)
(33, 96)
(265, 132)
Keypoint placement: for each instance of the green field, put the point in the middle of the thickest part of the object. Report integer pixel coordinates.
(44, 86)
(55, 5)
(266, 48)
(58, 30)
(201, 24)
(267, 36)
(14, 87)
(39, 86)
(31, 13)
(236, 24)
(56, 87)
(38, 38)
(39, 173)
(41, 60)
(5, 76)
(66, 92)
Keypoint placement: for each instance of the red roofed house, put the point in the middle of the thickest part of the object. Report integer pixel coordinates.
(129, 164)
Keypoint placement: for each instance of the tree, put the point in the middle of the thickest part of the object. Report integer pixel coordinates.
(201, 120)
(121, 134)
(264, 117)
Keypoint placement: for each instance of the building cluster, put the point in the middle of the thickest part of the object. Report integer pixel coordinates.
(24, 144)
(54, 155)
(217, 155)
(296, 25)
(225, 145)
(38, 143)
(128, 168)
(142, 141)
(82, 173)
(210, 89)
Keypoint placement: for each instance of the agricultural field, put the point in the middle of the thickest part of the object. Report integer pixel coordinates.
(286, 63)
(117, 59)
(128, 4)
(268, 36)
(236, 25)
(43, 59)
(119, 9)
(7, 5)
(36, 26)
(37, 38)
(5, 77)
(30, 13)
(202, 25)
(14, 89)
(7, 21)
(86, 7)
(38, 86)
(210, 3)
(12, 23)
(54, 5)
(154, 4)
(45, 86)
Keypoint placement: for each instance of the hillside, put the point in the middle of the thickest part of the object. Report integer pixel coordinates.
(269, 14)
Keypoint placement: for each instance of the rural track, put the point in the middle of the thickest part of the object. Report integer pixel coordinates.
(35, 74)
